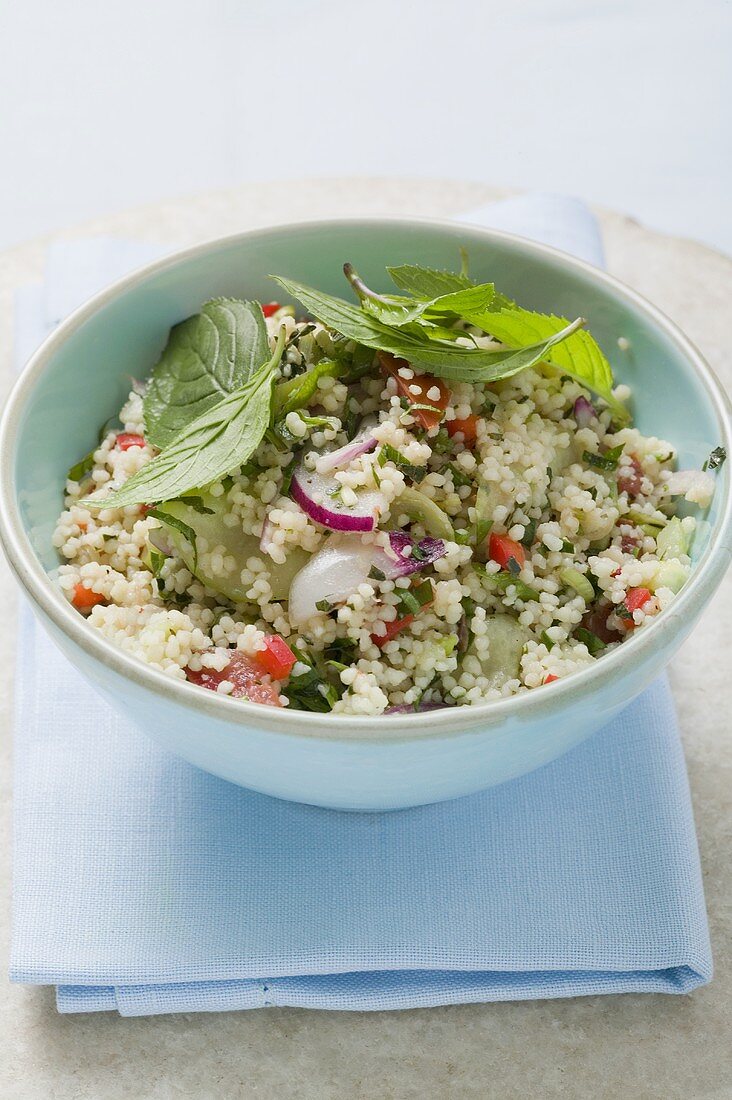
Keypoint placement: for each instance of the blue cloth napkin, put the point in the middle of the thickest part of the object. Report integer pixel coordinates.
(144, 885)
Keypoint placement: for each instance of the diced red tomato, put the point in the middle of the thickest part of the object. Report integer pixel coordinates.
(634, 598)
(276, 658)
(550, 678)
(392, 629)
(501, 549)
(84, 599)
(269, 308)
(631, 483)
(428, 418)
(125, 440)
(467, 426)
(244, 674)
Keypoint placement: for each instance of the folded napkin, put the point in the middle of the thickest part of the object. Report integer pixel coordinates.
(144, 885)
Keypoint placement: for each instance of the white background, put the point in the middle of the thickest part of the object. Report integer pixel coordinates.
(107, 105)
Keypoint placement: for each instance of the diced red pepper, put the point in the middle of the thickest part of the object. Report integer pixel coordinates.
(467, 426)
(125, 440)
(246, 677)
(392, 629)
(430, 417)
(550, 678)
(636, 597)
(84, 599)
(270, 308)
(276, 658)
(502, 549)
(631, 483)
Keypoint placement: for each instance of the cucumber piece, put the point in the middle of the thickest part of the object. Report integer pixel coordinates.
(207, 522)
(507, 640)
(672, 541)
(421, 509)
(579, 582)
(670, 574)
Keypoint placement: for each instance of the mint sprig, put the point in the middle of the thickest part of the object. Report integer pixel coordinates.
(441, 358)
(214, 444)
(207, 357)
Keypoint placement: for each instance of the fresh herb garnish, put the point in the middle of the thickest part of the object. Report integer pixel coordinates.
(440, 357)
(423, 593)
(208, 357)
(606, 461)
(376, 574)
(287, 477)
(414, 327)
(324, 605)
(391, 454)
(342, 650)
(594, 644)
(529, 534)
(544, 637)
(442, 442)
(196, 503)
(408, 603)
(217, 442)
(459, 478)
(297, 392)
(310, 691)
(81, 468)
(513, 566)
(501, 582)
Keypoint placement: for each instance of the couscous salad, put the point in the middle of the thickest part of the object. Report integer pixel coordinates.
(419, 499)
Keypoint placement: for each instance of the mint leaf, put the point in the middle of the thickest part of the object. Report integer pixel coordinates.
(440, 358)
(80, 469)
(426, 282)
(207, 357)
(214, 444)
(399, 311)
(296, 392)
(579, 356)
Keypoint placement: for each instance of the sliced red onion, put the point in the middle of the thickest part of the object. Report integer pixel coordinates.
(318, 496)
(336, 571)
(421, 708)
(361, 445)
(584, 412)
(429, 551)
(333, 574)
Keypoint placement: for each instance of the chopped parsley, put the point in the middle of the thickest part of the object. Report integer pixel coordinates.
(607, 461)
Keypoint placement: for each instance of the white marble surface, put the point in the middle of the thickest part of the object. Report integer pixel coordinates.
(650, 1047)
(622, 101)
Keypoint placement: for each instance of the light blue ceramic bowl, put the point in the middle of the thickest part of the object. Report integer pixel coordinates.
(80, 376)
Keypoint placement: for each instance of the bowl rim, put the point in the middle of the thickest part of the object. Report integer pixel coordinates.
(48, 599)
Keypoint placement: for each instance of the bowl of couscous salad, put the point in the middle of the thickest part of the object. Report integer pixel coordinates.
(368, 514)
